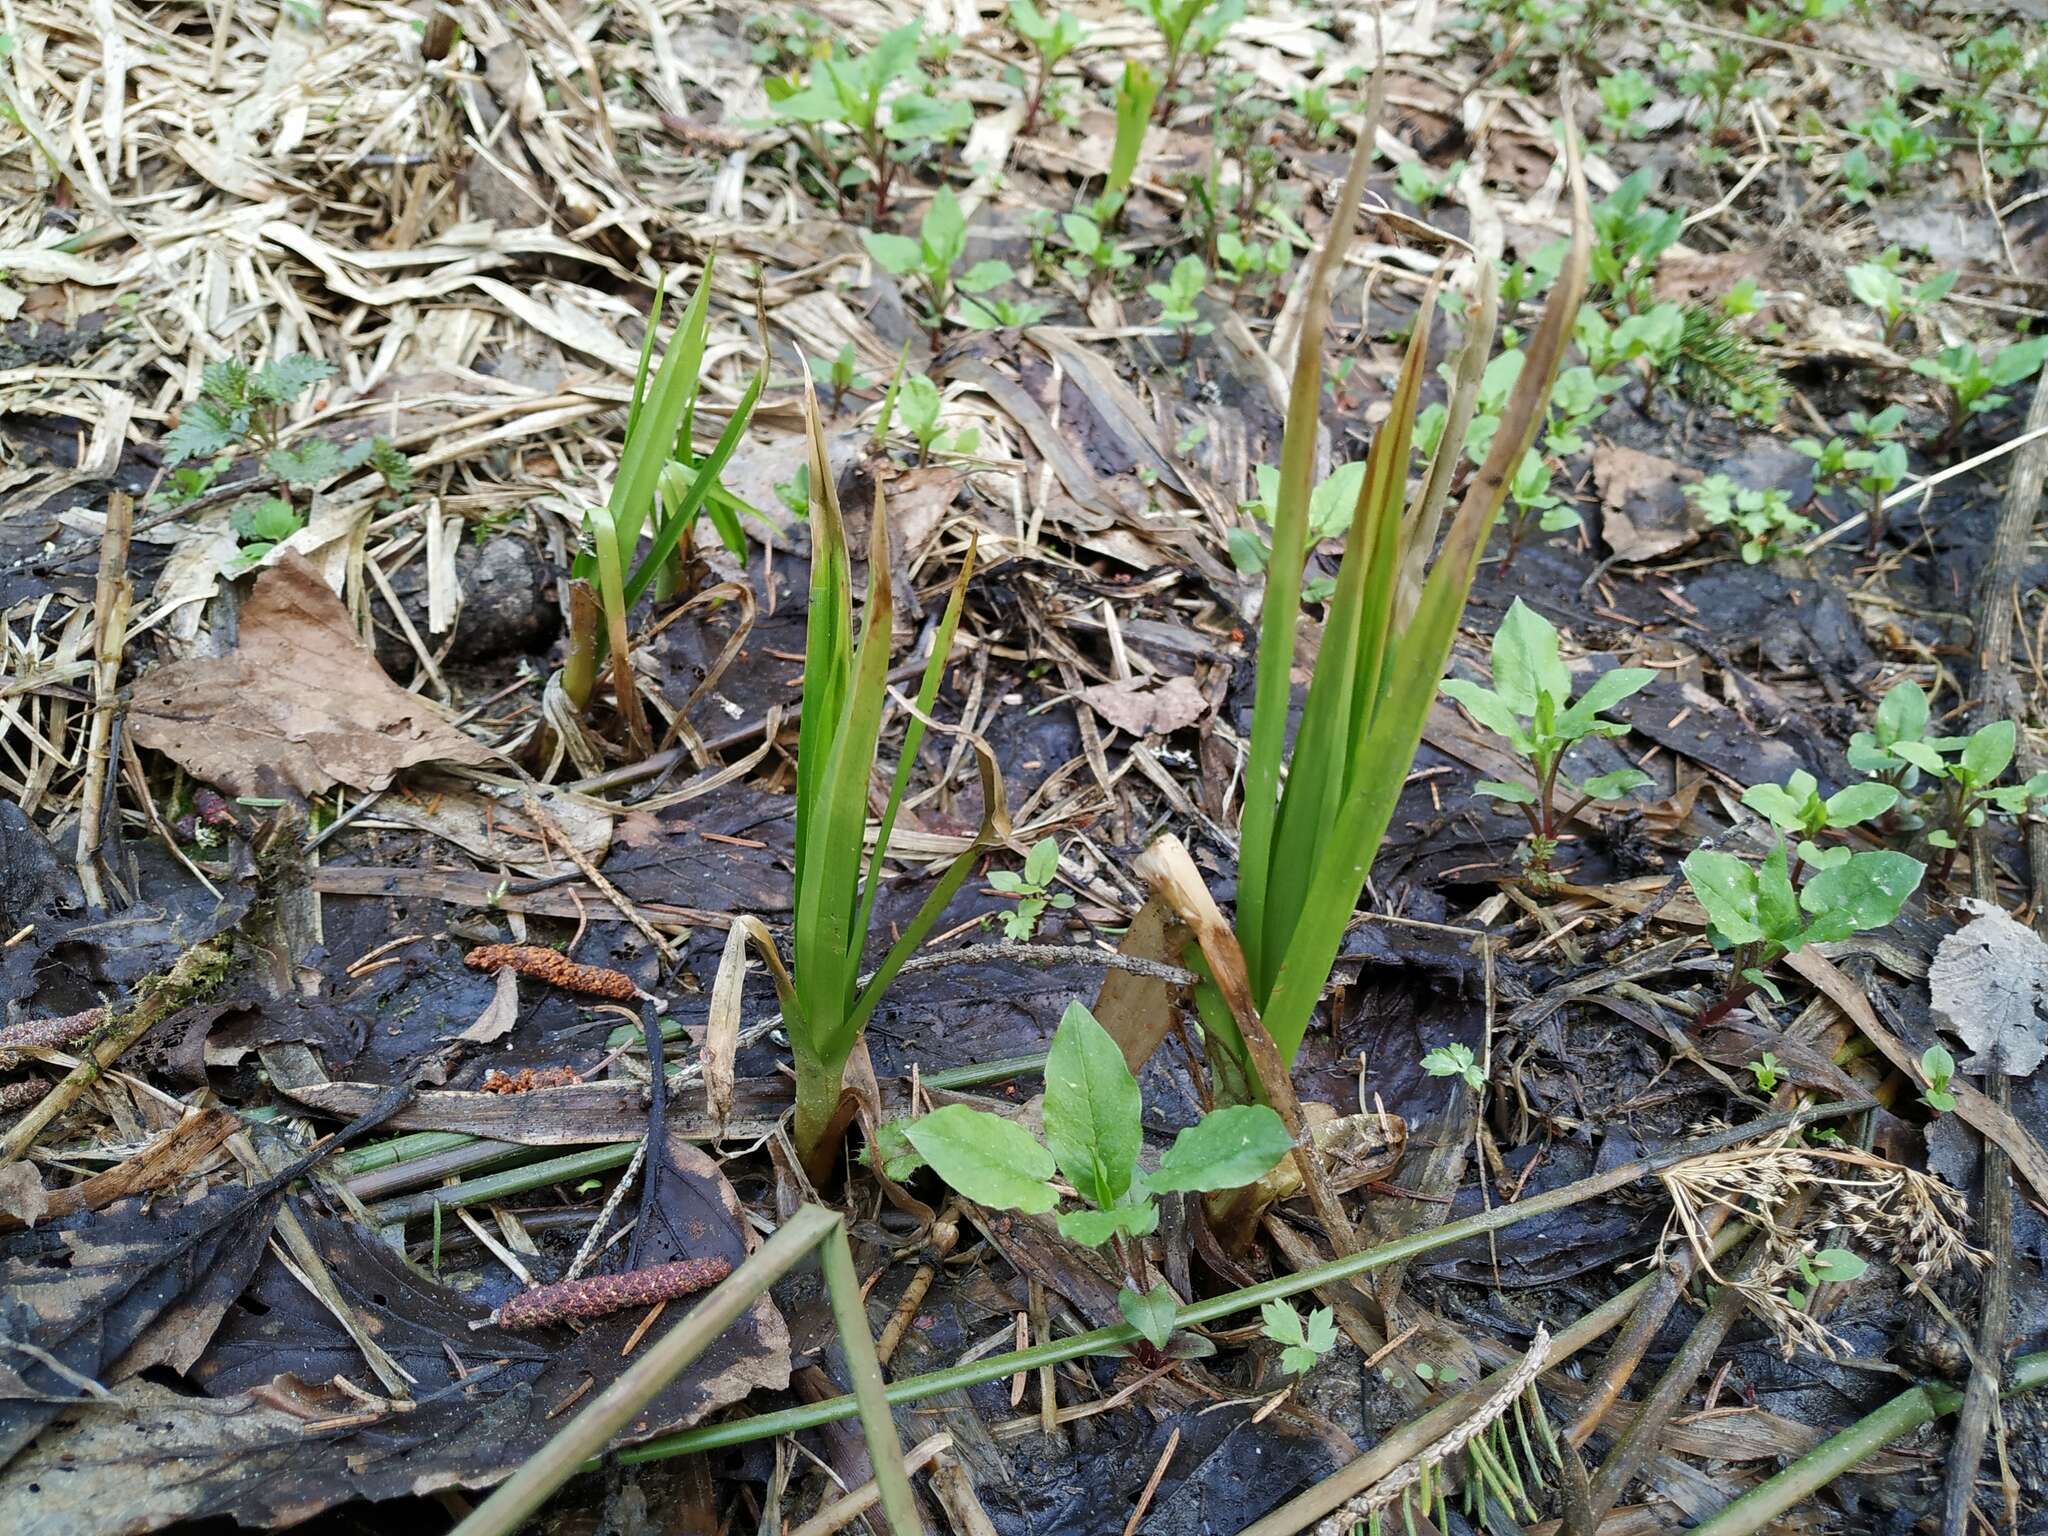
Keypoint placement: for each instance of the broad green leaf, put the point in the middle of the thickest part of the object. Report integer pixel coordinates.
(1091, 1229)
(203, 430)
(1092, 1110)
(1605, 691)
(898, 253)
(2019, 362)
(1782, 809)
(1867, 891)
(984, 275)
(920, 117)
(1726, 887)
(1837, 1265)
(944, 230)
(1902, 714)
(1526, 665)
(284, 379)
(1921, 756)
(990, 1160)
(1322, 1330)
(1988, 752)
(1283, 1323)
(1226, 1149)
(1860, 803)
(312, 462)
(1777, 905)
(1043, 862)
(1489, 708)
(1615, 785)
(1151, 1314)
(1512, 794)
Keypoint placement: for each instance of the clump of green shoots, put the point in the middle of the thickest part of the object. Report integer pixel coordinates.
(1530, 704)
(662, 481)
(1189, 27)
(1622, 95)
(1330, 508)
(1761, 518)
(1094, 1132)
(1872, 471)
(885, 105)
(824, 1005)
(1051, 38)
(1250, 264)
(1177, 297)
(1096, 254)
(919, 404)
(1308, 835)
(940, 244)
(1796, 809)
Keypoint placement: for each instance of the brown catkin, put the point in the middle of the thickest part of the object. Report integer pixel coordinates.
(526, 1079)
(21, 1094)
(46, 1034)
(596, 1295)
(555, 968)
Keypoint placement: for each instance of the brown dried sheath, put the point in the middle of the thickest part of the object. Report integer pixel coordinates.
(596, 1295)
(553, 967)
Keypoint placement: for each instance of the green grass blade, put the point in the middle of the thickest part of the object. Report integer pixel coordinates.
(828, 648)
(1282, 613)
(913, 731)
(655, 423)
(646, 356)
(680, 520)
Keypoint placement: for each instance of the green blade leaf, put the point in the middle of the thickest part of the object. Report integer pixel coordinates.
(990, 1160)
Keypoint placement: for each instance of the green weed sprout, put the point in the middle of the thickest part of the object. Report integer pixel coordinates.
(1968, 769)
(855, 91)
(1423, 187)
(919, 403)
(1051, 38)
(1755, 911)
(1250, 263)
(1766, 1069)
(1177, 297)
(1031, 890)
(1974, 383)
(1873, 470)
(842, 372)
(1455, 1060)
(1878, 285)
(1939, 1068)
(1095, 253)
(1302, 1346)
(660, 480)
(1762, 519)
(930, 258)
(1309, 834)
(1189, 26)
(1797, 809)
(1135, 93)
(1622, 95)
(824, 1006)
(1901, 719)
(1094, 1132)
(1330, 507)
(1531, 705)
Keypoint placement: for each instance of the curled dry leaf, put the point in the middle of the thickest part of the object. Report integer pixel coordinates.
(1989, 985)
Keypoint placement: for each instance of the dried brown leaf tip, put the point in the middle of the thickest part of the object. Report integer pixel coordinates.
(527, 1079)
(555, 968)
(597, 1295)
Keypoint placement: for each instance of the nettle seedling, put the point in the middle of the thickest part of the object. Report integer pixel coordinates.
(1967, 769)
(883, 102)
(1303, 1343)
(1975, 383)
(1622, 95)
(1761, 518)
(1177, 297)
(1797, 809)
(1031, 890)
(1879, 285)
(1531, 705)
(1766, 1069)
(1051, 38)
(1250, 264)
(1456, 1060)
(1754, 911)
(930, 258)
(1094, 1131)
(918, 403)
(1095, 253)
(1939, 1068)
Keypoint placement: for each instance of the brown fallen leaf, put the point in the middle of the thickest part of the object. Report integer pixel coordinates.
(1139, 708)
(23, 1200)
(1643, 508)
(298, 706)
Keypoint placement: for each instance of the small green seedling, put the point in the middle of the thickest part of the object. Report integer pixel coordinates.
(262, 526)
(1976, 384)
(1330, 506)
(1766, 1069)
(1250, 263)
(1531, 705)
(1754, 910)
(1177, 297)
(1094, 1132)
(842, 373)
(1797, 809)
(918, 404)
(1622, 95)
(1535, 502)
(1874, 470)
(1969, 768)
(978, 312)
(1878, 285)
(1901, 720)
(930, 258)
(1423, 187)
(1095, 254)
(889, 125)
(1761, 518)
(1302, 1345)
(1135, 93)
(1031, 889)
(1051, 38)
(1189, 26)
(1829, 1266)
(1456, 1060)
(1939, 1068)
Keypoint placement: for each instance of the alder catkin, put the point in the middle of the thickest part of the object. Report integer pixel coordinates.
(553, 967)
(526, 1079)
(596, 1295)
(46, 1034)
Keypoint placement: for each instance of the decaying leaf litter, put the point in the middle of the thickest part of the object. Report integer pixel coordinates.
(349, 356)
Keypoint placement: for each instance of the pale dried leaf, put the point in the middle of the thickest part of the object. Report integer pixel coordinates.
(1989, 986)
